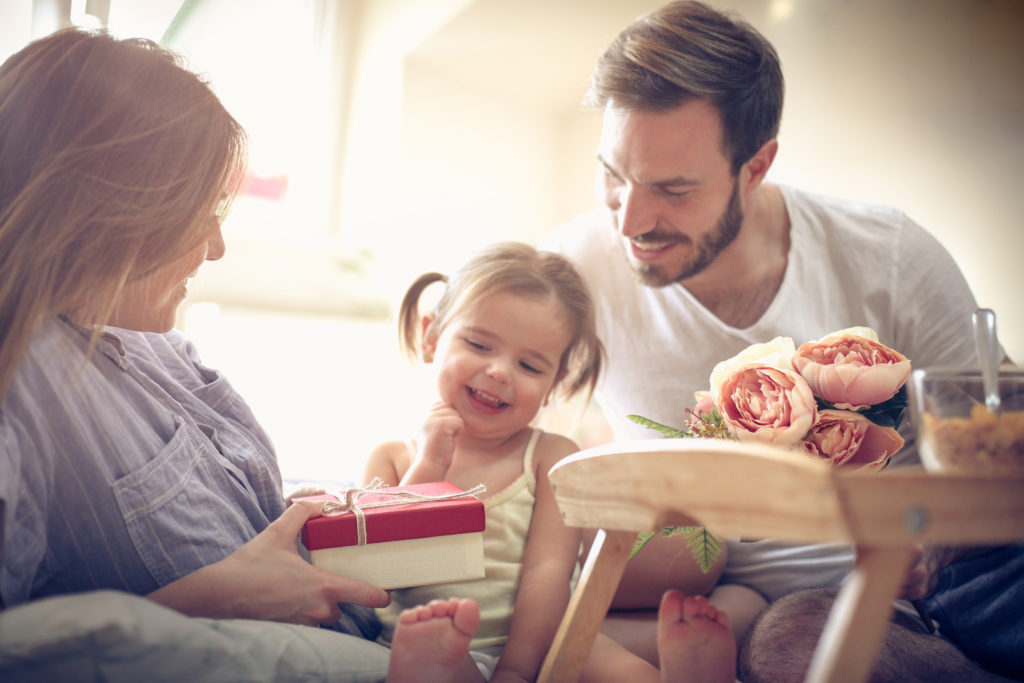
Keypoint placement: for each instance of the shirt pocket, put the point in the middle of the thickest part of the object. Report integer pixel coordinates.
(214, 389)
(216, 392)
(239, 438)
(182, 510)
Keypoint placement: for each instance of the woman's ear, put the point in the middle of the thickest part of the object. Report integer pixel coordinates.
(429, 336)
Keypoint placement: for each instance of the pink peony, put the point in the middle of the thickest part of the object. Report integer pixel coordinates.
(852, 370)
(767, 404)
(849, 440)
(705, 403)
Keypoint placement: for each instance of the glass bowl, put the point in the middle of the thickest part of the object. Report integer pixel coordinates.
(956, 433)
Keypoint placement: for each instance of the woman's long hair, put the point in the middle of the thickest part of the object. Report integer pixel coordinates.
(113, 160)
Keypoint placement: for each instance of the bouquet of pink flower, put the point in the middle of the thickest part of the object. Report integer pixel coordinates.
(839, 399)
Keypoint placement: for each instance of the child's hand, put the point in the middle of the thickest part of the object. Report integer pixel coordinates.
(437, 442)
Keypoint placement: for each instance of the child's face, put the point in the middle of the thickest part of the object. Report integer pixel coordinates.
(498, 361)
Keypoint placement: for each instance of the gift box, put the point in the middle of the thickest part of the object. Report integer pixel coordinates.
(411, 535)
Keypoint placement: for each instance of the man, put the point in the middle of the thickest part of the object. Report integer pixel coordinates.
(697, 257)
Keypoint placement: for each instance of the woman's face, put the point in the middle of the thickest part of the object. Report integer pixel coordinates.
(150, 304)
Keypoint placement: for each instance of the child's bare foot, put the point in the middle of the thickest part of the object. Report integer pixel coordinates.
(695, 642)
(431, 643)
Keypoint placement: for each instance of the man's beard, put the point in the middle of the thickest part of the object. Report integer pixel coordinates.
(707, 250)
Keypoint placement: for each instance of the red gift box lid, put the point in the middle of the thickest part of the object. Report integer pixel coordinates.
(420, 519)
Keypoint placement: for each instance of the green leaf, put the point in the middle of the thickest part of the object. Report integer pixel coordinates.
(641, 541)
(705, 546)
(669, 432)
(889, 413)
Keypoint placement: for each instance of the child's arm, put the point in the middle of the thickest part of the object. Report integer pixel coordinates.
(388, 462)
(552, 550)
(436, 446)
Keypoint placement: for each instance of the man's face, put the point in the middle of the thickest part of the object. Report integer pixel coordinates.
(673, 198)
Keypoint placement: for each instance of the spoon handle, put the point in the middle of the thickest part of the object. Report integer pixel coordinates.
(987, 343)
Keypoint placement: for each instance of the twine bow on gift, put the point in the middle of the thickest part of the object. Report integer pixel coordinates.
(348, 501)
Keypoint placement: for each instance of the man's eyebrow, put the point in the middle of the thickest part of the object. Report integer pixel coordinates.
(678, 181)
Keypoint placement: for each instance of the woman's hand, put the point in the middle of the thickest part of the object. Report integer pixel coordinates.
(267, 579)
(436, 445)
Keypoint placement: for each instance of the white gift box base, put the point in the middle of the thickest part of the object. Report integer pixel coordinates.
(411, 562)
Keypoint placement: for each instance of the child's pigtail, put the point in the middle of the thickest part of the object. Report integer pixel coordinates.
(409, 317)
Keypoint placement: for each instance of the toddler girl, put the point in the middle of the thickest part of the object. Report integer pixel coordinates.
(513, 326)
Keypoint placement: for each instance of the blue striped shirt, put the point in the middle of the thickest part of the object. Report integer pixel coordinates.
(127, 469)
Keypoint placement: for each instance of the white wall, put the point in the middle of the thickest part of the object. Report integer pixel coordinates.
(15, 26)
(474, 170)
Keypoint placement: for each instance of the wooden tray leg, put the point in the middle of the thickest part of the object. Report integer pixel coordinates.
(587, 607)
(860, 616)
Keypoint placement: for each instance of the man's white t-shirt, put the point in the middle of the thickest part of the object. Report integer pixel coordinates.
(849, 263)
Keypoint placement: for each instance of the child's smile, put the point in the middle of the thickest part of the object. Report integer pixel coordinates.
(486, 401)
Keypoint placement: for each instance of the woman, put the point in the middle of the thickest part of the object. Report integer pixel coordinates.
(124, 463)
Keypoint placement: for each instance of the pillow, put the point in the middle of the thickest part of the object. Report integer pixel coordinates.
(115, 636)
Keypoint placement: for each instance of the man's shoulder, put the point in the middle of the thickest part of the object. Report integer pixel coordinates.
(804, 205)
(851, 223)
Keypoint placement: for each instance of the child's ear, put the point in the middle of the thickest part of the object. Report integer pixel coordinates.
(429, 336)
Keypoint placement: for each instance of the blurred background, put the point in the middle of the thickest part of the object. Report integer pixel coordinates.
(393, 137)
